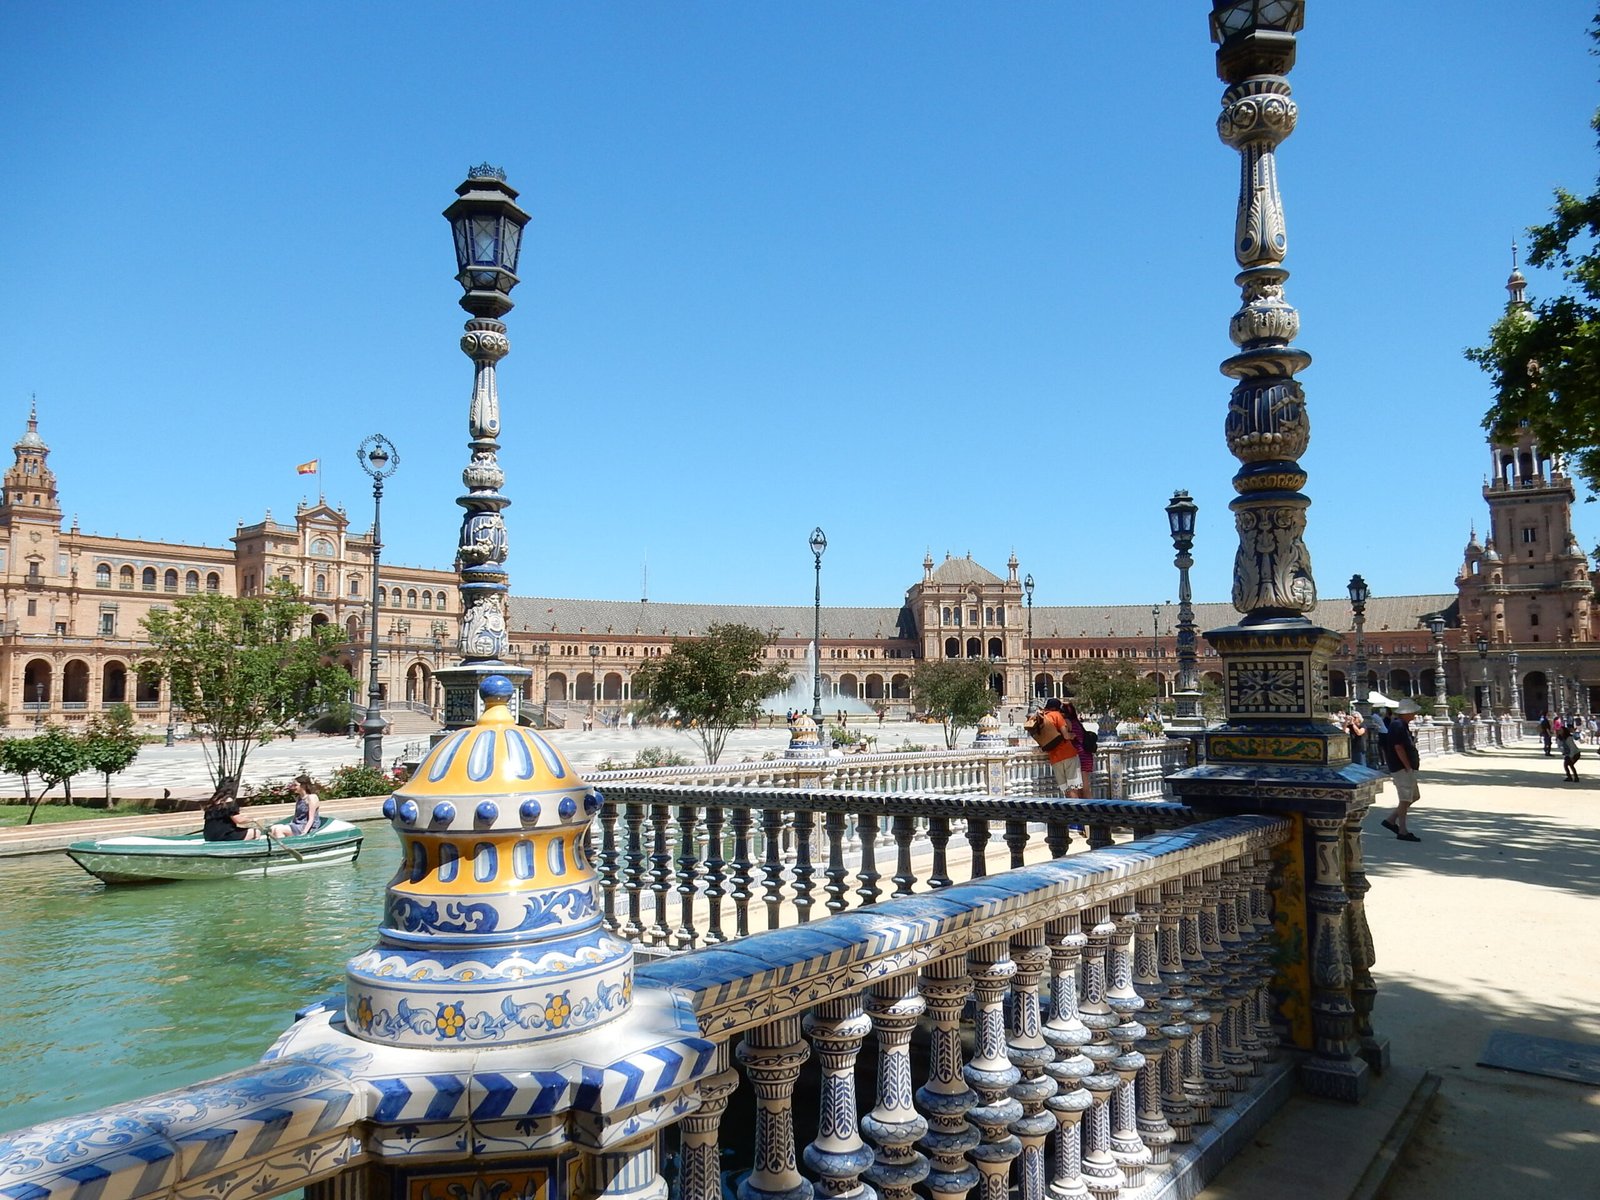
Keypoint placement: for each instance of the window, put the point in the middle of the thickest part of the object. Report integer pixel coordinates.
(1530, 535)
(148, 579)
(63, 567)
(322, 585)
(102, 575)
(355, 585)
(441, 602)
(191, 582)
(108, 622)
(383, 596)
(213, 582)
(169, 582)
(33, 570)
(411, 598)
(322, 548)
(61, 629)
(33, 608)
(1533, 619)
(427, 599)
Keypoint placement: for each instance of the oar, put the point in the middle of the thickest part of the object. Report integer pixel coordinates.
(281, 844)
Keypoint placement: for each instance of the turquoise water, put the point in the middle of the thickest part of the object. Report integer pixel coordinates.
(115, 993)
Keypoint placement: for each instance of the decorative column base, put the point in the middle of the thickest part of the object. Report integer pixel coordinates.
(460, 683)
(1346, 1080)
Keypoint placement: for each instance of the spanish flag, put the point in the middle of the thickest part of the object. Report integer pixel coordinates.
(307, 468)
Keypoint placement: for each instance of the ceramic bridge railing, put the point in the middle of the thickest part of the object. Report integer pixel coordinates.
(1116, 1005)
(722, 857)
(1122, 771)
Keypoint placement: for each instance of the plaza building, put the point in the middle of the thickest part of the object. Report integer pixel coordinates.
(72, 641)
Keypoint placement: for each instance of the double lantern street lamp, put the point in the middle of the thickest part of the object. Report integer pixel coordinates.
(818, 543)
(1181, 510)
(378, 459)
(1486, 707)
(1033, 687)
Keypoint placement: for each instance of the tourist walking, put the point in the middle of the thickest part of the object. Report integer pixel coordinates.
(1050, 731)
(1546, 733)
(1570, 751)
(1400, 751)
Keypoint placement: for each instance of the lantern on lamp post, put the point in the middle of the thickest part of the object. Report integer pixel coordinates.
(1181, 512)
(818, 543)
(379, 459)
(1033, 687)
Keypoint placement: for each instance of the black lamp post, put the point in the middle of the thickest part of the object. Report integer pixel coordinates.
(38, 704)
(594, 674)
(1486, 707)
(378, 459)
(1359, 595)
(1516, 688)
(1033, 688)
(819, 543)
(1181, 511)
(172, 733)
(1441, 693)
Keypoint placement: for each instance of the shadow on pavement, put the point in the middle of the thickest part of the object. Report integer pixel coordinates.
(1505, 845)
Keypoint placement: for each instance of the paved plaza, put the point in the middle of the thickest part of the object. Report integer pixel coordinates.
(182, 769)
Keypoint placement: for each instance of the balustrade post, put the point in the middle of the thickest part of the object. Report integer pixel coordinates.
(659, 932)
(894, 1125)
(1336, 1071)
(715, 875)
(804, 870)
(1177, 1007)
(939, 838)
(946, 1098)
(743, 871)
(1126, 1147)
(772, 824)
(631, 1172)
(1218, 1034)
(1030, 1054)
(700, 1159)
(1067, 1035)
(1101, 1173)
(837, 887)
(1154, 1131)
(772, 1056)
(1016, 838)
(608, 863)
(1201, 1058)
(869, 891)
(838, 1156)
(634, 818)
(905, 877)
(990, 1073)
(1239, 1042)
(686, 934)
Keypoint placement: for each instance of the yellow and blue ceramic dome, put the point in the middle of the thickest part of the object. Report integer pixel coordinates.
(492, 929)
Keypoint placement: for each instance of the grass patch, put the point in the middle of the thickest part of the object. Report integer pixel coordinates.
(15, 812)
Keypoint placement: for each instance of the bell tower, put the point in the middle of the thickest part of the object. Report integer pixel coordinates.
(30, 484)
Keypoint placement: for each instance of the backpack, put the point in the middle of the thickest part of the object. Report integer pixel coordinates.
(1091, 741)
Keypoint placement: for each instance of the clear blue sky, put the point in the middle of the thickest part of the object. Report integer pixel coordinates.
(938, 277)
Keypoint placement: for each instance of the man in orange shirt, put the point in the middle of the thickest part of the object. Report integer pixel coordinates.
(1055, 739)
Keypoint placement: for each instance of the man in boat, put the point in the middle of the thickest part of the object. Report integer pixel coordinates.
(223, 821)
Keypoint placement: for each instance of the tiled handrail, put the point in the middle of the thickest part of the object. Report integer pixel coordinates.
(1155, 957)
(718, 854)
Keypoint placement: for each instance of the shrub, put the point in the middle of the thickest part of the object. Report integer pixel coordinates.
(358, 780)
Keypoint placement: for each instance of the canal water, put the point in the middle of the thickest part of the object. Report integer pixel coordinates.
(115, 993)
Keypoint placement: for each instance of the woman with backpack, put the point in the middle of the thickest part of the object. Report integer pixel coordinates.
(1087, 742)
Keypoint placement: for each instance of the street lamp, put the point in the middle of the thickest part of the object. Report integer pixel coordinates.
(378, 459)
(1441, 694)
(38, 704)
(1516, 690)
(1181, 511)
(594, 674)
(819, 543)
(1033, 688)
(1486, 708)
(1359, 595)
(172, 733)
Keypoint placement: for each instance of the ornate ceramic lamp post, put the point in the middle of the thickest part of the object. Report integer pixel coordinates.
(1486, 704)
(487, 226)
(1181, 511)
(1278, 750)
(1441, 692)
(1033, 687)
(819, 543)
(1516, 688)
(378, 459)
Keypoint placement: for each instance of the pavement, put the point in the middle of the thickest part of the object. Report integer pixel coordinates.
(1488, 925)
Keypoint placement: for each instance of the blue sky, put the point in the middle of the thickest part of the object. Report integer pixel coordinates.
(938, 277)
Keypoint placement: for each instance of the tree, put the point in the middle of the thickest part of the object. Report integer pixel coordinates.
(1543, 358)
(109, 744)
(714, 683)
(57, 757)
(243, 669)
(1117, 691)
(956, 690)
(18, 757)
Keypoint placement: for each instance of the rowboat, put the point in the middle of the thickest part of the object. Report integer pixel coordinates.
(148, 858)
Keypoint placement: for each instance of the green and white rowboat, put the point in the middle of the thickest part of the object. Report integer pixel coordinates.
(148, 858)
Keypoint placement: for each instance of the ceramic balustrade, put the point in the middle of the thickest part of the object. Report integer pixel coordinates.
(682, 866)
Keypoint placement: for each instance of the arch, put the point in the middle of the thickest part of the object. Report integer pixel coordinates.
(849, 686)
(38, 681)
(102, 575)
(383, 596)
(419, 684)
(352, 628)
(952, 647)
(114, 682)
(1536, 693)
(997, 683)
(1042, 686)
(427, 599)
(900, 687)
(1212, 677)
(213, 582)
(1399, 683)
(322, 585)
(586, 688)
(75, 682)
(147, 688)
(555, 687)
(874, 689)
(997, 648)
(169, 581)
(125, 576)
(441, 601)
(611, 686)
(321, 547)
(411, 597)
(974, 647)
(191, 582)
(827, 686)
(1338, 684)
(147, 579)
(319, 619)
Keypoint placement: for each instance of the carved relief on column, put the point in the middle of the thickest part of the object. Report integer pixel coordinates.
(1237, 987)
(1204, 1015)
(894, 1125)
(1335, 1070)
(1258, 912)
(946, 1098)
(1217, 1039)
(1177, 1008)
(1154, 1130)
(772, 1056)
(990, 1072)
(1126, 1147)
(1067, 1035)
(700, 1171)
(1101, 1173)
(838, 1156)
(1363, 991)
(631, 1172)
(482, 547)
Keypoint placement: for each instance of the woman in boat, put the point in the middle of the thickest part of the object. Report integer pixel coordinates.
(223, 821)
(306, 805)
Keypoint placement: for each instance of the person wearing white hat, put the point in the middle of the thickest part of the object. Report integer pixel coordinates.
(1401, 752)
(1377, 723)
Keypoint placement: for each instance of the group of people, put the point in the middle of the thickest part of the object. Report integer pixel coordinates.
(1058, 731)
(223, 822)
(1566, 733)
(1385, 737)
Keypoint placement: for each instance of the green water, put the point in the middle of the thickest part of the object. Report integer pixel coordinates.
(114, 993)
